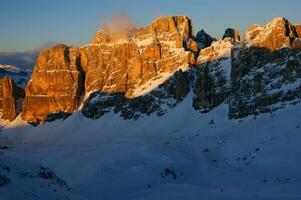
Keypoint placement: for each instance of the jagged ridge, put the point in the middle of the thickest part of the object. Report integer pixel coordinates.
(141, 71)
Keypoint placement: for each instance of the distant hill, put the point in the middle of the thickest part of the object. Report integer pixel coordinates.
(22, 60)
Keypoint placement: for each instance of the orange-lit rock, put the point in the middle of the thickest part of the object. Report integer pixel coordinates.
(218, 50)
(231, 33)
(131, 61)
(123, 61)
(7, 99)
(278, 33)
(252, 32)
(297, 43)
(298, 30)
(55, 85)
(120, 59)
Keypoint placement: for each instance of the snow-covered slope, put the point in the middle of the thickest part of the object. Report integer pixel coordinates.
(21, 179)
(182, 154)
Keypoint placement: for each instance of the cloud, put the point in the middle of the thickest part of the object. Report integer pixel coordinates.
(45, 45)
(119, 23)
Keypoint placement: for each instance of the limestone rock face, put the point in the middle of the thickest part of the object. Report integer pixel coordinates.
(212, 85)
(157, 101)
(124, 62)
(177, 24)
(216, 51)
(255, 75)
(298, 30)
(55, 86)
(19, 76)
(263, 81)
(119, 60)
(203, 39)
(8, 99)
(231, 33)
(278, 33)
(297, 43)
(143, 71)
(252, 32)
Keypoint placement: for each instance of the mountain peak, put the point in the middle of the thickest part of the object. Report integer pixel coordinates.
(277, 20)
(231, 33)
(125, 33)
(180, 24)
(203, 39)
(276, 34)
(7, 98)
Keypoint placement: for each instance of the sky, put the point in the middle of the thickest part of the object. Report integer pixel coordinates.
(34, 24)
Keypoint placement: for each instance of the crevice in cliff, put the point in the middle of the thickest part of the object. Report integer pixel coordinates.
(82, 79)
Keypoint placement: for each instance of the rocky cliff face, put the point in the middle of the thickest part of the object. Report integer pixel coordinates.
(14, 80)
(265, 73)
(212, 83)
(279, 33)
(298, 30)
(56, 84)
(263, 81)
(157, 101)
(264, 68)
(231, 33)
(135, 64)
(124, 61)
(116, 62)
(140, 71)
(8, 99)
(203, 39)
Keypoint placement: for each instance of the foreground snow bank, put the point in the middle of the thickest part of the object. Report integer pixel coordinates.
(182, 154)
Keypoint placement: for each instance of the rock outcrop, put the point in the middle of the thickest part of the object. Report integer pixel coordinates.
(140, 72)
(56, 84)
(278, 33)
(122, 62)
(203, 39)
(231, 33)
(297, 43)
(263, 81)
(157, 101)
(7, 99)
(266, 72)
(219, 49)
(18, 77)
(298, 30)
(212, 85)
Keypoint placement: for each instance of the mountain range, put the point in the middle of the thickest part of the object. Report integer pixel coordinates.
(140, 71)
(156, 112)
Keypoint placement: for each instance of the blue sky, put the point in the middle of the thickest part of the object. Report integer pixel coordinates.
(31, 24)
